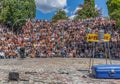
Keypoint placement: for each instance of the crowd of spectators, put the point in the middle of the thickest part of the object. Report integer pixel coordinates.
(65, 38)
(7, 43)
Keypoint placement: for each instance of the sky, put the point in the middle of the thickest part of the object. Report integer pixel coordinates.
(46, 9)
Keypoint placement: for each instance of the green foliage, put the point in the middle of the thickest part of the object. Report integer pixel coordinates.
(12, 10)
(87, 10)
(90, 2)
(61, 14)
(114, 10)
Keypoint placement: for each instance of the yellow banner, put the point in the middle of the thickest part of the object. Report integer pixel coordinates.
(94, 37)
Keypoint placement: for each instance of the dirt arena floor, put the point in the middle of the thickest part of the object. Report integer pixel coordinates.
(52, 71)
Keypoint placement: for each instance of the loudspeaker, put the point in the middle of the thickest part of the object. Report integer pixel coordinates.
(14, 76)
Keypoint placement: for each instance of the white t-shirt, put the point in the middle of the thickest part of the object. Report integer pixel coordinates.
(86, 51)
(81, 54)
(2, 54)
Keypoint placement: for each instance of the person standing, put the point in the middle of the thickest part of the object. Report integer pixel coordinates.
(22, 52)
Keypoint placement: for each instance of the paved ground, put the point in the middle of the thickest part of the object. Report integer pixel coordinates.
(52, 71)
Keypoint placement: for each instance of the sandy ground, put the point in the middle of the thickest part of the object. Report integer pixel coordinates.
(52, 71)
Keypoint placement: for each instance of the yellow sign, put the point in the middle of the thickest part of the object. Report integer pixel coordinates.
(94, 37)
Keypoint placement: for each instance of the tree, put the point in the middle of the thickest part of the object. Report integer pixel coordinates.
(90, 2)
(87, 10)
(12, 10)
(114, 10)
(61, 14)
